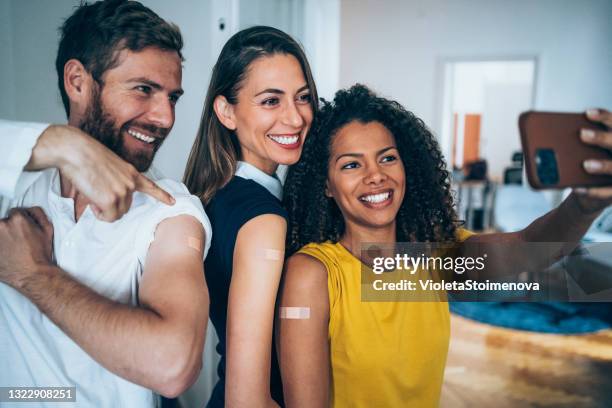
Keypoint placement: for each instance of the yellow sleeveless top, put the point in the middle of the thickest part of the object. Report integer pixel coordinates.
(383, 354)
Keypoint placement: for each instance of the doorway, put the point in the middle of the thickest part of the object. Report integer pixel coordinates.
(481, 105)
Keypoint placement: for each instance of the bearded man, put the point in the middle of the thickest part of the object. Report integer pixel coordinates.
(101, 265)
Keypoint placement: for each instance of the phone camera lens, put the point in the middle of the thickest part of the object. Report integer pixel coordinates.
(546, 166)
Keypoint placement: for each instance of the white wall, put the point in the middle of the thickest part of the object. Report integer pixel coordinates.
(30, 69)
(282, 14)
(6, 57)
(397, 47)
(499, 131)
(193, 18)
(321, 40)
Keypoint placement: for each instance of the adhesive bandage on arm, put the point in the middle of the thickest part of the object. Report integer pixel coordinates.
(179, 244)
(194, 243)
(294, 313)
(270, 254)
(179, 236)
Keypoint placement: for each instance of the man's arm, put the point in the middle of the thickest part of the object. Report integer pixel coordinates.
(16, 142)
(158, 344)
(96, 172)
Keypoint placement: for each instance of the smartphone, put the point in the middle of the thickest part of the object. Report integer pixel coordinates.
(554, 152)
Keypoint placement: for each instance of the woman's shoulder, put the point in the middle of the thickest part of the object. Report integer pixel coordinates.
(304, 261)
(326, 253)
(327, 246)
(244, 198)
(317, 265)
(242, 188)
(303, 273)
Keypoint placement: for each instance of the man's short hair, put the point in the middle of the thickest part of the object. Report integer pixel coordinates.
(95, 34)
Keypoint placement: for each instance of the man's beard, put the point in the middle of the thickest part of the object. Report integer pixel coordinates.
(102, 127)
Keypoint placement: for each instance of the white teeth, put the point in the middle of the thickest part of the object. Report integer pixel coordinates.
(140, 136)
(376, 198)
(286, 140)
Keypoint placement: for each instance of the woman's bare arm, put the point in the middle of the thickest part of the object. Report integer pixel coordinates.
(302, 333)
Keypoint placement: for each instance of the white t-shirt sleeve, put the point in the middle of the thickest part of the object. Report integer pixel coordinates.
(16, 142)
(186, 204)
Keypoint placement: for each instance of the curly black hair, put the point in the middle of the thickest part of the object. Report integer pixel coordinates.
(427, 213)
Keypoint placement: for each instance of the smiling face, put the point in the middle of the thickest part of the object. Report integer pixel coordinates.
(273, 112)
(133, 111)
(366, 175)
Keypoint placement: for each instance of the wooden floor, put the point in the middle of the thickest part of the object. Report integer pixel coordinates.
(494, 367)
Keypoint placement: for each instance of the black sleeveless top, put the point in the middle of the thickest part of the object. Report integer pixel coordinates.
(233, 206)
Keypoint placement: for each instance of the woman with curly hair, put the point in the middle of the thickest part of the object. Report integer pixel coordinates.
(372, 172)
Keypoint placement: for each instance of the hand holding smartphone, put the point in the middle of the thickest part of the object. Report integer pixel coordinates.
(556, 147)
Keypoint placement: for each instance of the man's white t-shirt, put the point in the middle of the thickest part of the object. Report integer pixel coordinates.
(107, 257)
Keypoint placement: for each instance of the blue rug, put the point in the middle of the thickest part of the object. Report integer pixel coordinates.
(562, 318)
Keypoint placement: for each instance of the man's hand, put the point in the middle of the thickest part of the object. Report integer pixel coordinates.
(26, 244)
(95, 171)
(597, 198)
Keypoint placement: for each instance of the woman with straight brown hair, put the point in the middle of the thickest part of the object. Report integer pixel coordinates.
(258, 110)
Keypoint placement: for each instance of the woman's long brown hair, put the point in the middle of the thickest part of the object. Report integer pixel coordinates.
(216, 151)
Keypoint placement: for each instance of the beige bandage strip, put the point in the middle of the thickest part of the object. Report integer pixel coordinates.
(297, 313)
(273, 255)
(179, 244)
(194, 243)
